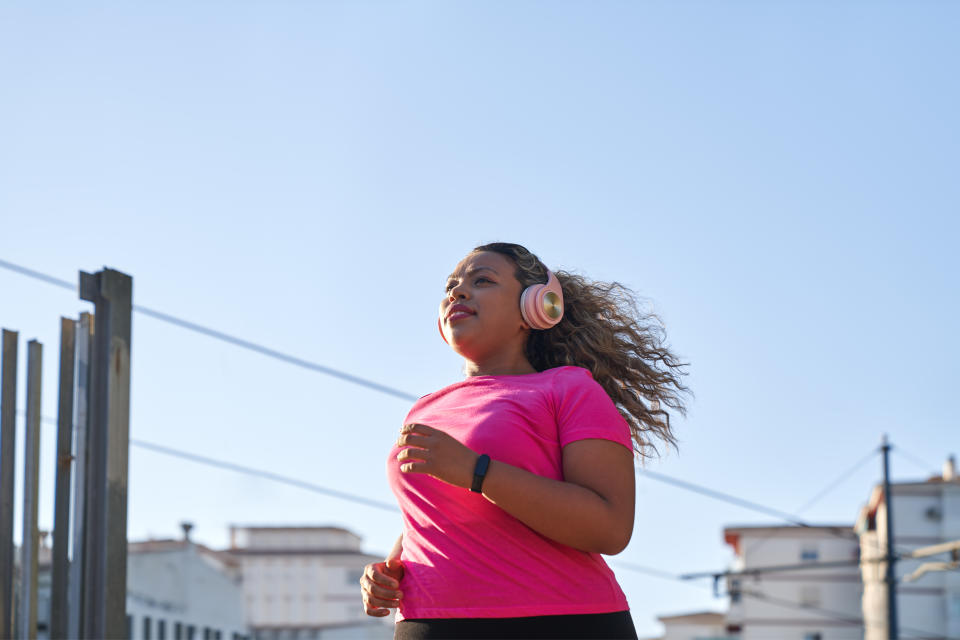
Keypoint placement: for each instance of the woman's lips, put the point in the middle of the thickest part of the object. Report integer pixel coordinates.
(458, 315)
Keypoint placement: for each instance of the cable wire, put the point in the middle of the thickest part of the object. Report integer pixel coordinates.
(260, 473)
(651, 571)
(725, 497)
(258, 348)
(926, 466)
(630, 566)
(834, 615)
(828, 614)
(313, 366)
(251, 471)
(825, 491)
(229, 339)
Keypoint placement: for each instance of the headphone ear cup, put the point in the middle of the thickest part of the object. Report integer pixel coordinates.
(541, 305)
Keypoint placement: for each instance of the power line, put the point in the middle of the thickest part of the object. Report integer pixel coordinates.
(839, 480)
(260, 473)
(825, 491)
(828, 614)
(725, 497)
(229, 339)
(820, 612)
(834, 615)
(651, 571)
(926, 466)
(313, 366)
(251, 471)
(840, 532)
(258, 348)
(630, 566)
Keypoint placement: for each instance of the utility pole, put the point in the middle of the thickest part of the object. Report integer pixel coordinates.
(892, 633)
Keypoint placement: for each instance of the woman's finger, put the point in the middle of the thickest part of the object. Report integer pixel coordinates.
(412, 454)
(373, 610)
(387, 580)
(376, 573)
(382, 579)
(384, 593)
(413, 440)
(380, 603)
(371, 570)
(415, 427)
(413, 467)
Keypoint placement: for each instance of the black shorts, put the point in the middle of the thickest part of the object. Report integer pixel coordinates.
(617, 625)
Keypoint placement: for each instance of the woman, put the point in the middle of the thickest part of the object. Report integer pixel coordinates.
(513, 481)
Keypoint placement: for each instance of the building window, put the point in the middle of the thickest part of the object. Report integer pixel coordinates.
(809, 596)
(129, 626)
(734, 590)
(809, 554)
(146, 627)
(161, 629)
(813, 635)
(207, 633)
(177, 631)
(191, 630)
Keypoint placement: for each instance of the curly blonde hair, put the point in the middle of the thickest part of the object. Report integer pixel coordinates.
(604, 331)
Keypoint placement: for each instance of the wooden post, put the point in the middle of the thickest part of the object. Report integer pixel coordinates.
(112, 294)
(61, 514)
(8, 440)
(77, 571)
(30, 542)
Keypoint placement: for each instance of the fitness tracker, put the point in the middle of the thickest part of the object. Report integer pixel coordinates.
(479, 473)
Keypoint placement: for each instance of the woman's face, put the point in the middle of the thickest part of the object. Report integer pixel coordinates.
(480, 314)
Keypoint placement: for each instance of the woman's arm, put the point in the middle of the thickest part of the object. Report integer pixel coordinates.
(592, 509)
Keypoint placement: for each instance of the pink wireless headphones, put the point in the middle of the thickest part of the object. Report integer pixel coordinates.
(541, 305)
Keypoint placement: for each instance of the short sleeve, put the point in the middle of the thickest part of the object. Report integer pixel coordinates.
(584, 410)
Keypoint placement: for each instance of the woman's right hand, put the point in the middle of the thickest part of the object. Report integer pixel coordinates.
(381, 585)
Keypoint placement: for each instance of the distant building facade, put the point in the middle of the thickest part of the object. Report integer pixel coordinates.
(303, 583)
(705, 625)
(176, 590)
(795, 603)
(179, 590)
(924, 514)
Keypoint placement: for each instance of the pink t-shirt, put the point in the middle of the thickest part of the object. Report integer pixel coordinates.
(465, 557)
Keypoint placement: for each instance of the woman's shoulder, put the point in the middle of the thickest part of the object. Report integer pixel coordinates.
(569, 374)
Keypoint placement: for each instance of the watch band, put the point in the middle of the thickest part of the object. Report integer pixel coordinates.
(479, 473)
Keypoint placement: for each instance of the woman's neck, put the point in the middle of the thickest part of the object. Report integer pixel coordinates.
(499, 366)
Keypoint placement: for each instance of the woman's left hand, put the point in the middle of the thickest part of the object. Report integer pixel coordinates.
(433, 452)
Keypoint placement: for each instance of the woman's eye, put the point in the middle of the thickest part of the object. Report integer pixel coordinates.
(479, 280)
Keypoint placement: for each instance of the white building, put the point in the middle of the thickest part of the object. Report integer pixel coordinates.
(794, 602)
(179, 590)
(176, 590)
(924, 514)
(304, 582)
(704, 625)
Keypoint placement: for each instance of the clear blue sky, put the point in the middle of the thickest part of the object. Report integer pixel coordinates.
(778, 179)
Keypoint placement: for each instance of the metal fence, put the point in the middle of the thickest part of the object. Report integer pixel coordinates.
(89, 551)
